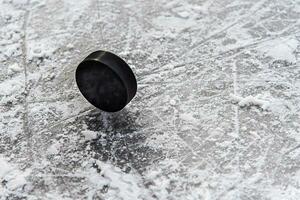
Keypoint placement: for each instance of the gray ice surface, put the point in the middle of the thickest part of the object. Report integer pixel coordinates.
(216, 115)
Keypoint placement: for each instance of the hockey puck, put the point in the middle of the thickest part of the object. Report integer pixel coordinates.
(106, 81)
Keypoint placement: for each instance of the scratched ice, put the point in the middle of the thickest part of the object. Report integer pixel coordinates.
(216, 115)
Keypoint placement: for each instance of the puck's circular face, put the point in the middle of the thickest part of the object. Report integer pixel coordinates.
(101, 86)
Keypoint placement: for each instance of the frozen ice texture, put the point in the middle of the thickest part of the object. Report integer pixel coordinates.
(182, 136)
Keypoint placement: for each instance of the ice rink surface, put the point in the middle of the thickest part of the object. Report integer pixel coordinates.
(216, 115)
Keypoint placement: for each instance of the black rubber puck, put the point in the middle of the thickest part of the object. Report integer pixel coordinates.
(106, 81)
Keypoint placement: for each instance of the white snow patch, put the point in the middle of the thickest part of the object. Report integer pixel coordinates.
(281, 49)
(89, 135)
(250, 101)
(173, 23)
(120, 185)
(4, 167)
(11, 122)
(168, 183)
(14, 68)
(279, 192)
(281, 107)
(173, 102)
(14, 178)
(10, 88)
(40, 50)
(54, 148)
(73, 10)
(188, 117)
